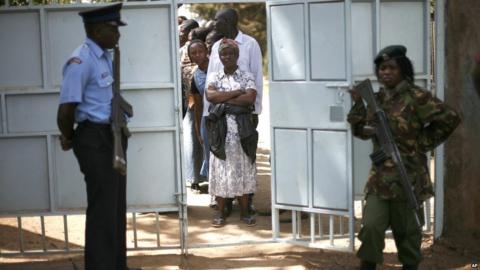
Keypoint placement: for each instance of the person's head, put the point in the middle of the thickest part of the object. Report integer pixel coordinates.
(393, 66)
(197, 52)
(211, 38)
(185, 29)
(228, 52)
(101, 25)
(181, 19)
(226, 21)
(209, 25)
(198, 33)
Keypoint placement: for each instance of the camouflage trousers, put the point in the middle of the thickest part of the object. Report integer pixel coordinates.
(380, 214)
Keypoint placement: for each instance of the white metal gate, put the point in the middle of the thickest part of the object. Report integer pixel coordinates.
(37, 178)
(317, 49)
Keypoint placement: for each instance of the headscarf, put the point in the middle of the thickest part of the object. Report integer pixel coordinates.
(228, 43)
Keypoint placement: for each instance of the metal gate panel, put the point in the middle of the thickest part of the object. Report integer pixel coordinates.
(299, 104)
(31, 113)
(328, 46)
(67, 178)
(312, 141)
(330, 159)
(404, 22)
(362, 38)
(20, 40)
(153, 169)
(38, 40)
(288, 50)
(155, 107)
(148, 60)
(291, 159)
(23, 174)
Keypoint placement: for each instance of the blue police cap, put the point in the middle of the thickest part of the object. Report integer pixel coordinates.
(110, 14)
(390, 52)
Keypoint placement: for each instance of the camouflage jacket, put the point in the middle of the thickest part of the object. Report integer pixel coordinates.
(419, 123)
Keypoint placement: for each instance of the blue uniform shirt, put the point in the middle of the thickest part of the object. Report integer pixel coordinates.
(87, 80)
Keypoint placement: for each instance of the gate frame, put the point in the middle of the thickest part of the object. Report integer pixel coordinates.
(183, 217)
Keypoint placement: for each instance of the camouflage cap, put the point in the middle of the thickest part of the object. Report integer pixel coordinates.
(390, 52)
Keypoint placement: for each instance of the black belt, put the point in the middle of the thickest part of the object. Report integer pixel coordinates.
(90, 124)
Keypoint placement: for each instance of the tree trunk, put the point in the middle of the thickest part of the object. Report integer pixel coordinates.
(462, 150)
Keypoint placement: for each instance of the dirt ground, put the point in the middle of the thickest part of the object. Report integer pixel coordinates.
(209, 247)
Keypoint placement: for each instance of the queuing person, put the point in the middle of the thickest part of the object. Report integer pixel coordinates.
(192, 149)
(232, 134)
(197, 52)
(212, 37)
(199, 33)
(250, 60)
(419, 123)
(181, 19)
(85, 99)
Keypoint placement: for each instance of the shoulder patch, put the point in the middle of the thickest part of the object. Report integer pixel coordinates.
(74, 60)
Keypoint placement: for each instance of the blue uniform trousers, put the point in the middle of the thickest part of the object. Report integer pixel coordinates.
(105, 233)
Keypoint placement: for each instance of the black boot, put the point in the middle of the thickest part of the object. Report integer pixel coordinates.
(410, 267)
(366, 265)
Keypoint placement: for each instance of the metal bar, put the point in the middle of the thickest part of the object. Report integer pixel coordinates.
(427, 212)
(314, 210)
(157, 225)
(3, 106)
(439, 91)
(42, 224)
(376, 18)
(51, 170)
(320, 227)
(20, 234)
(134, 220)
(312, 227)
(299, 223)
(331, 230)
(236, 243)
(294, 224)
(340, 225)
(275, 222)
(65, 229)
(351, 189)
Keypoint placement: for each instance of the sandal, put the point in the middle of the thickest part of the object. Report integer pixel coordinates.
(218, 221)
(250, 221)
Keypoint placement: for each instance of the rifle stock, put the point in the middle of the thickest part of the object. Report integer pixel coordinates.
(388, 147)
(120, 109)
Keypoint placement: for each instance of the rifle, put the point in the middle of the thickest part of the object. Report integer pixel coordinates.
(120, 109)
(388, 148)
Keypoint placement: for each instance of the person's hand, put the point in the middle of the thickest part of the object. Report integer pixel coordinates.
(355, 95)
(65, 143)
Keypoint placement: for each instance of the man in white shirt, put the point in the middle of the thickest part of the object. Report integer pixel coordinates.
(250, 59)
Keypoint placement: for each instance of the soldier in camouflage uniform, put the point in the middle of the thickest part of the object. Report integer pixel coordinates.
(419, 122)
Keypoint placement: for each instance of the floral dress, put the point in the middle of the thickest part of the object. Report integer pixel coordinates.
(236, 175)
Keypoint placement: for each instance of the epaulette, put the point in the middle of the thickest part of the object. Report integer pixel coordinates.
(74, 60)
(421, 96)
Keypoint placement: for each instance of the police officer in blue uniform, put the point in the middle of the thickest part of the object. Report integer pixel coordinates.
(85, 99)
